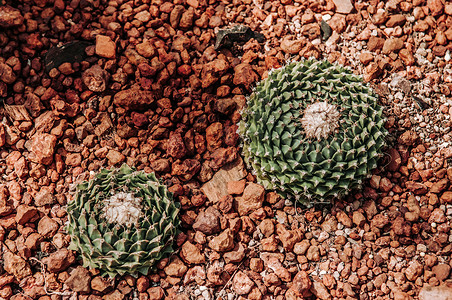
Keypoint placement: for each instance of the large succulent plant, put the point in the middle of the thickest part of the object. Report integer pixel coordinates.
(122, 222)
(312, 130)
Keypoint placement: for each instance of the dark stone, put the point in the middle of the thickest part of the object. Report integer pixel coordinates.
(326, 30)
(237, 34)
(69, 52)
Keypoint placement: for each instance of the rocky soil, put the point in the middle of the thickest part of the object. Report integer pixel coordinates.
(151, 90)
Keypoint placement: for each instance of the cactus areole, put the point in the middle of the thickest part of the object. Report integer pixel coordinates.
(122, 222)
(312, 130)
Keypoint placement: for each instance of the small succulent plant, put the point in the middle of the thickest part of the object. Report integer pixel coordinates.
(312, 130)
(122, 222)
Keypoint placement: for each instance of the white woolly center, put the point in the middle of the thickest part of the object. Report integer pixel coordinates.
(320, 119)
(122, 208)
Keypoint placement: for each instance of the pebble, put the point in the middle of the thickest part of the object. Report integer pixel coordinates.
(105, 47)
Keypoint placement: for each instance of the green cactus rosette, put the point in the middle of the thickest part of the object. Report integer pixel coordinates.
(122, 222)
(312, 130)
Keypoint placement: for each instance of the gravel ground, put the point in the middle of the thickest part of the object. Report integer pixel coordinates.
(150, 90)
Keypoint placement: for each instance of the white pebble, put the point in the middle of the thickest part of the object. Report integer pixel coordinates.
(206, 295)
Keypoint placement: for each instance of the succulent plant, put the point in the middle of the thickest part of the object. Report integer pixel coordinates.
(312, 130)
(122, 222)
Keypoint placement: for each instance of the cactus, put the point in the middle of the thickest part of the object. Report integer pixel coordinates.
(122, 222)
(312, 130)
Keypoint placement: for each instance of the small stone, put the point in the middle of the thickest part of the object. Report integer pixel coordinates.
(44, 197)
(414, 270)
(156, 293)
(10, 16)
(313, 253)
(41, 147)
(301, 284)
(225, 105)
(365, 58)
(448, 9)
(266, 227)
(101, 284)
(245, 75)
(115, 157)
(225, 204)
(290, 45)
(320, 291)
(208, 221)
(441, 271)
(16, 265)
(439, 50)
(176, 147)
(421, 26)
(6, 72)
(375, 43)
(391, 45)
(186, 20)
(380, 279)
(439, 186)
(134, 99)
(236, 187)
(437, 216)
(372, 71)
(442, 292)
(435, 6)
(446, 197)
(191, 254)
(343, 218)
(223, 242)
(235, 256)
(222, 157)
(338, 23)
(343, 6)
(216, 188)
(379, 221)
(212, 71)
(95, 78)
(269, 244)
(274, 264)
(105, 47)
(79, 281)
(59, 261)
(176, 268)
(416, 187)
(385, 184)
(380, 17)
(197, 274)
(214, 136)
(25, 213)
(330, 224)
(146, 49)
(242, 284)
(396, 20)
(288, 237)
(251, 200)
(115, 295)
(301, 247)
(47, 227)
(215, 273)
(161, 165)
(256, 264)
